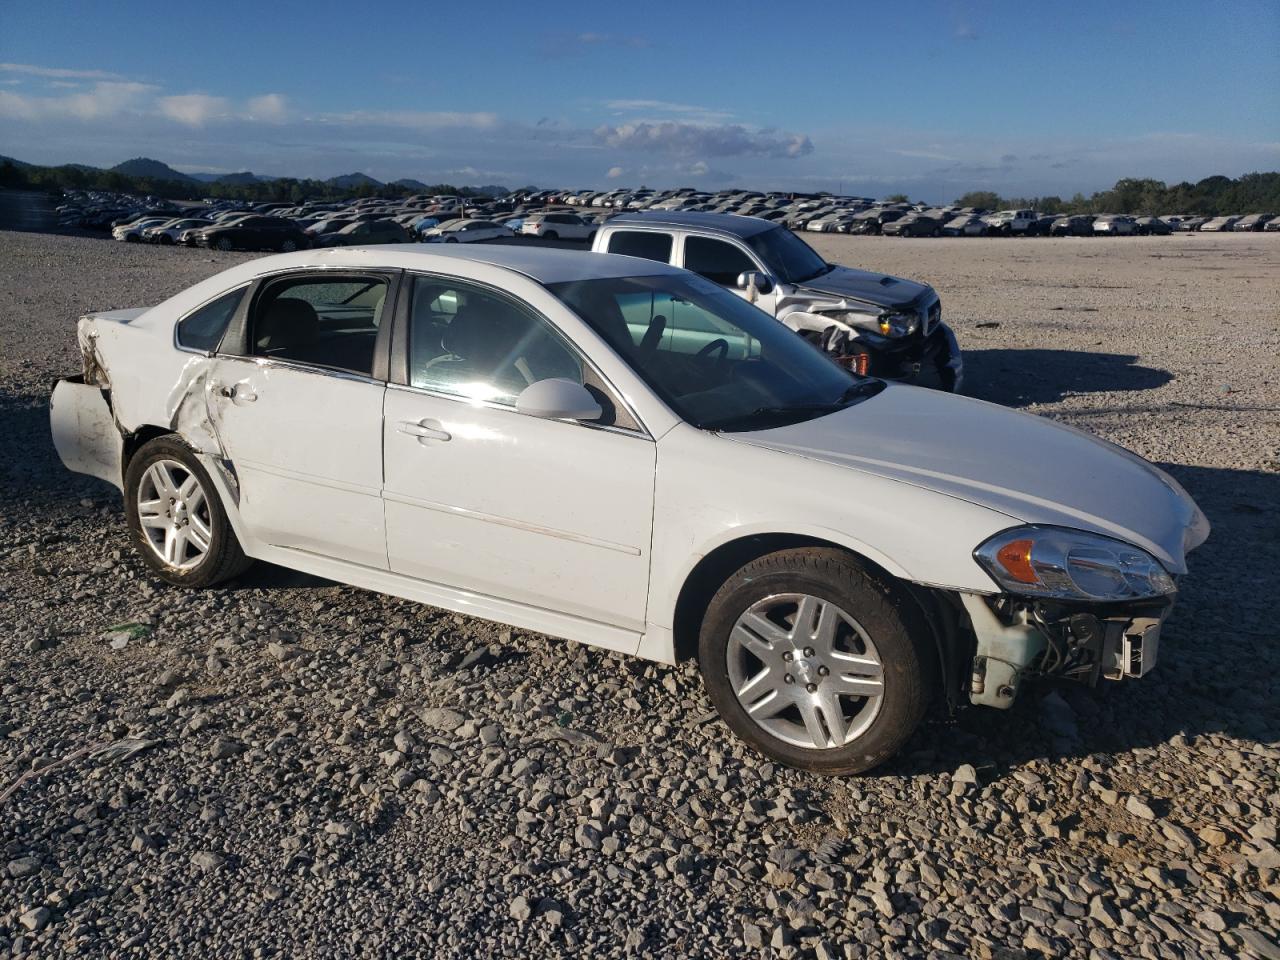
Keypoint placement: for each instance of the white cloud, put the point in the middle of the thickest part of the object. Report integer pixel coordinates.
(272, 107)
(713, 140)
(104, 99)
(688, 110)
(615, 172)
(59, 73)
(413, 119)
(193, 109)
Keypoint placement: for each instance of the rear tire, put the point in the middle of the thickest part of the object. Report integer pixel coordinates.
(224, 243)
(800, 689)
(205, 549)
(551, 235)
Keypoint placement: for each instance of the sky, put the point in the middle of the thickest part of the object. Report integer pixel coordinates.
(928, 97)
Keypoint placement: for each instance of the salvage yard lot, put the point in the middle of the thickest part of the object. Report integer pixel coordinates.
(338, 773)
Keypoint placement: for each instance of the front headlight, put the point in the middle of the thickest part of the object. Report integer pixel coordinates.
(1072, 565)
(899, 324)
(894, 325)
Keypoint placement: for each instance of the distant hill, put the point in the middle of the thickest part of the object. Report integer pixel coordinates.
(146, 167)
(16, 163)
(349, 180)
(242, 177)
(409, 183)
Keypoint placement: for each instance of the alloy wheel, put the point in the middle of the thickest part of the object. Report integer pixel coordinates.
(173, 512)
(805, 671)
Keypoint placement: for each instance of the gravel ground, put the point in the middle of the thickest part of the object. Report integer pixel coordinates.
(299, 768)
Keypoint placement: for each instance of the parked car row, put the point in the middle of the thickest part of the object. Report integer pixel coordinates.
(576, 216)
(282, 227)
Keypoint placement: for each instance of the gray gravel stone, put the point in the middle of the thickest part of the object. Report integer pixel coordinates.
(613, 803)
(35, 919)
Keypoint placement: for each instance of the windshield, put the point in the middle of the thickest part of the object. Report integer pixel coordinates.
(717, 361)
(788, 258)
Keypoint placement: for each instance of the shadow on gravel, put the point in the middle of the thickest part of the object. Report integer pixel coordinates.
(30, 471)
(1017, 378)
(1219, 657)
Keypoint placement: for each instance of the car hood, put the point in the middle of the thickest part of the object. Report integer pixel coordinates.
(1029, 468)
(878, 288)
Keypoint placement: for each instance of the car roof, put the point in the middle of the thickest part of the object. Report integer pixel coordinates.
(730, 223)
(544, 265)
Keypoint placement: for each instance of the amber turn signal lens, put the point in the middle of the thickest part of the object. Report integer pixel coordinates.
(1015, 557)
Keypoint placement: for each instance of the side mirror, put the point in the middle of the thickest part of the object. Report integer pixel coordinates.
(558, 399)
(761, 281)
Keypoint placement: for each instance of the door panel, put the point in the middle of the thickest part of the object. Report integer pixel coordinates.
(548, 513)
(307, 452)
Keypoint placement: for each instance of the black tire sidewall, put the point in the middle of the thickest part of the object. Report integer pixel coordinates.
(212, 567)
(908, 671)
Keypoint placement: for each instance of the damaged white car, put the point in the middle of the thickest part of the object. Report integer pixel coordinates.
(623, 453)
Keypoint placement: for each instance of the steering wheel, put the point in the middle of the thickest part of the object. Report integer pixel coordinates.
(718, 344)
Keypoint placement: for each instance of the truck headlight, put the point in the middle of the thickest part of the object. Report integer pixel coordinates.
(1072, 565)
(886, 324)
(899, 324)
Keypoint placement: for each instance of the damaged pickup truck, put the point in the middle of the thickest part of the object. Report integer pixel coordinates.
(873, 323)
(623, 453)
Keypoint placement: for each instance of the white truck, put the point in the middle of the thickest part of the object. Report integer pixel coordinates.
(876, 324)
(1011, 222)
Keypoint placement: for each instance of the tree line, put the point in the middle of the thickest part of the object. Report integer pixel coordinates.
(1210, 197)
(284, 189)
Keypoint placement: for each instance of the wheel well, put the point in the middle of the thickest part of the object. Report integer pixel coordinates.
(717, 566)
(133, 442)
(935, 607)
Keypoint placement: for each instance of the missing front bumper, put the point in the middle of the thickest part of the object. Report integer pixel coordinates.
(1016, 639)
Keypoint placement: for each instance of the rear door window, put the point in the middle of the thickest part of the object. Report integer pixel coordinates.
(321, 320)
(648, 244)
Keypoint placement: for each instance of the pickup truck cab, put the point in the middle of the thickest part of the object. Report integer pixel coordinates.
(876, 324)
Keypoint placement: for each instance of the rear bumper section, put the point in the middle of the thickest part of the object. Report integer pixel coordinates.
(85, 433)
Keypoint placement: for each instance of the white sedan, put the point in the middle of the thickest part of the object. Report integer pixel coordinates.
(622, 453)
(132, 232)
(557, 226)
(465, 231)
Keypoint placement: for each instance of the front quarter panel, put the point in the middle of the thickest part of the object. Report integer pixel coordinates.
(711, 490)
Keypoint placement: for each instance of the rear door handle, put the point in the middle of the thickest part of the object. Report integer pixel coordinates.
(238, 393)
(424, 430)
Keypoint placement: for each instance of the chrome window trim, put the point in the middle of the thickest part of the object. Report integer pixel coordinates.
(641, 434)
(336, 372)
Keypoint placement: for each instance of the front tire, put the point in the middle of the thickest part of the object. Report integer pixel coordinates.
(815, 662)
(224, 243)
(288, 246)
(176, 520)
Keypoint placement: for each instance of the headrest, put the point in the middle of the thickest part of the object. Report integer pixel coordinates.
(287, 321)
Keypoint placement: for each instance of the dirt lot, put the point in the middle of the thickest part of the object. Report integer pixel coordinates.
(324, 771)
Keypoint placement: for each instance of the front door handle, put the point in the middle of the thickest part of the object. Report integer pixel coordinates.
(424, 430)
